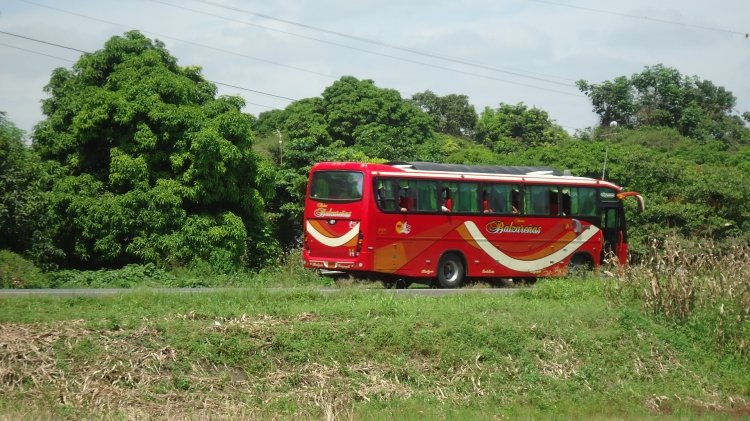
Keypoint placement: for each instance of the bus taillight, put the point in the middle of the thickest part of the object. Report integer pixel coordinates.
(360, 240)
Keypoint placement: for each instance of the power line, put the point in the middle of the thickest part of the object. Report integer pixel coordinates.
(87, 52)
(302, 36)
(36, 52)
(371, 41)
(648, 18)
(434, 66)
(43, 42)
(252, 90)
(181, 40)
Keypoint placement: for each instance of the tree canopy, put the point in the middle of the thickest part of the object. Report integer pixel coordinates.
(20, 181)
(451, 114)
(139, 161)
(510, 126)
(662, 96)
(149, 164)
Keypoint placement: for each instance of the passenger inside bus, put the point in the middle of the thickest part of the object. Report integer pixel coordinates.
(485, 202)
(447, 202)
(516, 199)
(405, 201)
(565, 199)
(554, 207)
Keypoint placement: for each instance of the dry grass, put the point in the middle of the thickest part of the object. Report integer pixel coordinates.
(87, 371)
(707, 281)
(110, 377)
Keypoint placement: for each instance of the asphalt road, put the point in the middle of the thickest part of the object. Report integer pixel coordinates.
(92, 292)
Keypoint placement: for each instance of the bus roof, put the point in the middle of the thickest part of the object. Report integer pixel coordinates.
(482, 169)
(541, 175)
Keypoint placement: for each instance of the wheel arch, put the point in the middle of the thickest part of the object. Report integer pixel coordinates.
(582, 258)
(460, 256)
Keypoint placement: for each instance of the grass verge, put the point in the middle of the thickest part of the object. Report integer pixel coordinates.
(559, 350)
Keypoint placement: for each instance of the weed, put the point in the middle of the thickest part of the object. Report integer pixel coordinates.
(705, 286)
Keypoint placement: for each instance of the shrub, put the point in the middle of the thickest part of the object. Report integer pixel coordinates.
(128, 277)
(17, 272)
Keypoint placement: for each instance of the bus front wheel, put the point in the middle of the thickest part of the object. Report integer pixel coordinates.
(450, 273)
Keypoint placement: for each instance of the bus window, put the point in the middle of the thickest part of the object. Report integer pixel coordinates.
(449, 196)
(446, 199)
(386, 191)
(554, 201)
(468, 198)
(537, 200)
(582, 201)
(336, 186)
(464, 197)
(426, 194)
(565, 201)
(515, 194)
(610, 218)
(405, 196)
(499, 198)
(608, 195)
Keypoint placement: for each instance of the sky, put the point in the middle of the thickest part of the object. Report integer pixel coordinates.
(493, 51)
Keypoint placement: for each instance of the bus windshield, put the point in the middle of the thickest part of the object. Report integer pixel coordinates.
(336, 186)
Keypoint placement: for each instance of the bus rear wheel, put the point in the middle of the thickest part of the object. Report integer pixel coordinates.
(450, 271)
(579, 265)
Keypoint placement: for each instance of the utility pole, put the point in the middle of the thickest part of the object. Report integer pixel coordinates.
(281, 149)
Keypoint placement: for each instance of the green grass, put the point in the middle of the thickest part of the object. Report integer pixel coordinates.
(559, 350)
(18, 273)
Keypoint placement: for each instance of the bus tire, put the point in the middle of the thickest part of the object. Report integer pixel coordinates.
(450, 271)
(579, 265)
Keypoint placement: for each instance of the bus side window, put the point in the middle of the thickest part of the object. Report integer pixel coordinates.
(516, 198)
(499, 198)
(405, 196)
(446, 203)
(565, 201)
(426, 195)
(554, 201)
(537, 200)
(583, 201)
(468, 198)
(385, 194)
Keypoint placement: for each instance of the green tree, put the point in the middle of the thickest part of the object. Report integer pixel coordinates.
(149, 164)
(376, 121)
(662, 96)
(511, 126)
(354, 120)
(20, 178)
(451, 114)
(269, 122)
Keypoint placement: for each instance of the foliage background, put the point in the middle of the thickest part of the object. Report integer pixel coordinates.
(139, 162)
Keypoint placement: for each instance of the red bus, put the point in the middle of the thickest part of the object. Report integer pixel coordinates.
(444, 223)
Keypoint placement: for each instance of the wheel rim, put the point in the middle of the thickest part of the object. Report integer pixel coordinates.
(450, 271)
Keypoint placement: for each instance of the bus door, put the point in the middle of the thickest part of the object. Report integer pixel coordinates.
(613, 231)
